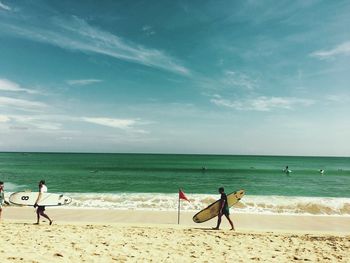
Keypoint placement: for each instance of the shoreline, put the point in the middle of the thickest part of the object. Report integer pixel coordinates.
(339, 225)
(270, 205)
(232, 211)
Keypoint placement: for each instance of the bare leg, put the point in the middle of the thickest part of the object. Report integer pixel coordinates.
(230, 221)
(46, 216)
(37, 217)
(219, 222)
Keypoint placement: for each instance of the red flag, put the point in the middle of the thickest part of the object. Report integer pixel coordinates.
(182, 195)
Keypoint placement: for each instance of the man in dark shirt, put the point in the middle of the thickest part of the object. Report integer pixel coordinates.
(224, 209)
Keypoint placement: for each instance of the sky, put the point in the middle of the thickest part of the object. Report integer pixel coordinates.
(202, 77)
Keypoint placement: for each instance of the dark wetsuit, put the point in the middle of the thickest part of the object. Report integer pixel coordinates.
(225, 210)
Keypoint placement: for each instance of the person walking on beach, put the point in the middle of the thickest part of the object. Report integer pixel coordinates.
(40, 210)
(224, 210)
(2, 197)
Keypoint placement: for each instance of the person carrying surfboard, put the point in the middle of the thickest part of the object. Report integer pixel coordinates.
(2, 197)
(224, 210)
(40, 210)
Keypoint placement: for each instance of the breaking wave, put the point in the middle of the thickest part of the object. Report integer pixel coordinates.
(248, 204)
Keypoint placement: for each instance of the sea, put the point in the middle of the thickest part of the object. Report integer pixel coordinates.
(152, 181)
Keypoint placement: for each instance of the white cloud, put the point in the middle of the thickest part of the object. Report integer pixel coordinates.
(66, 138)
(26, 122)
(240, 80)
(7, 85)
(83, 82)
(18, 128)
(148, 30)
(342, 49)
(338, 98)
(145, 28)
(5, 7)
(231, 81)
(109, 122)
(21, 104)
(261, 103)
(42, 125)
(4, 118)
(76, 34)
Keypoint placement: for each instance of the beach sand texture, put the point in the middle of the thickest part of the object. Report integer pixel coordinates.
(70, 240)
(125, 243)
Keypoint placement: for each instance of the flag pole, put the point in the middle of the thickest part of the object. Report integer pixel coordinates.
(178, 211)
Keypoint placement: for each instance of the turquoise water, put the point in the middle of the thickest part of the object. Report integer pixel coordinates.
(151, 173)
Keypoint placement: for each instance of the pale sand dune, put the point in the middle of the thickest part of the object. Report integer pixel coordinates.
(139, 236)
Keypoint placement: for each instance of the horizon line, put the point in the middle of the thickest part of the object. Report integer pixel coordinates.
(150, 153)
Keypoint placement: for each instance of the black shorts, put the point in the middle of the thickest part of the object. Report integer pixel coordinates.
(226, 211)
(41, 208)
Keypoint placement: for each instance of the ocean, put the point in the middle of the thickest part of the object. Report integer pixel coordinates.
(152, 181)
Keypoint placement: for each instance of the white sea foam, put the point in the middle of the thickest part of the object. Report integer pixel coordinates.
(169, 202)
(11, 187)
(295, 205)
(248, 204)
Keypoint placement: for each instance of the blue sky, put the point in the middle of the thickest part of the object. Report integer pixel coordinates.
(221, 77)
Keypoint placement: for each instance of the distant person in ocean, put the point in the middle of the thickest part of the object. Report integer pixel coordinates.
(321, 171)
(287, 171)
(224, 210)
(40, 210)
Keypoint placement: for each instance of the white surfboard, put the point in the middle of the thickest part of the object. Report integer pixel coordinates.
(47, 199)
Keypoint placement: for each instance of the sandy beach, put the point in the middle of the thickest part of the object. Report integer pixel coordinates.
(114, 114)
(97, 235)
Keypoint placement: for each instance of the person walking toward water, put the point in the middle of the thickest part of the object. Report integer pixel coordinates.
(224, 210)
(40, 211)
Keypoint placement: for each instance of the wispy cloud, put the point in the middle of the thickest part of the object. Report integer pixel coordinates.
(77, 34)
(7, 85)
(230, 81)
(48, 122)
(239, 80)
(4, 118)
(148, 30)
(37, 122)
(29, 122)
(123, 124)
(337, 98)
(261, 103)
(342, 49)
(21, 104)
(5, 7)
(83, 82)
(129, 125)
